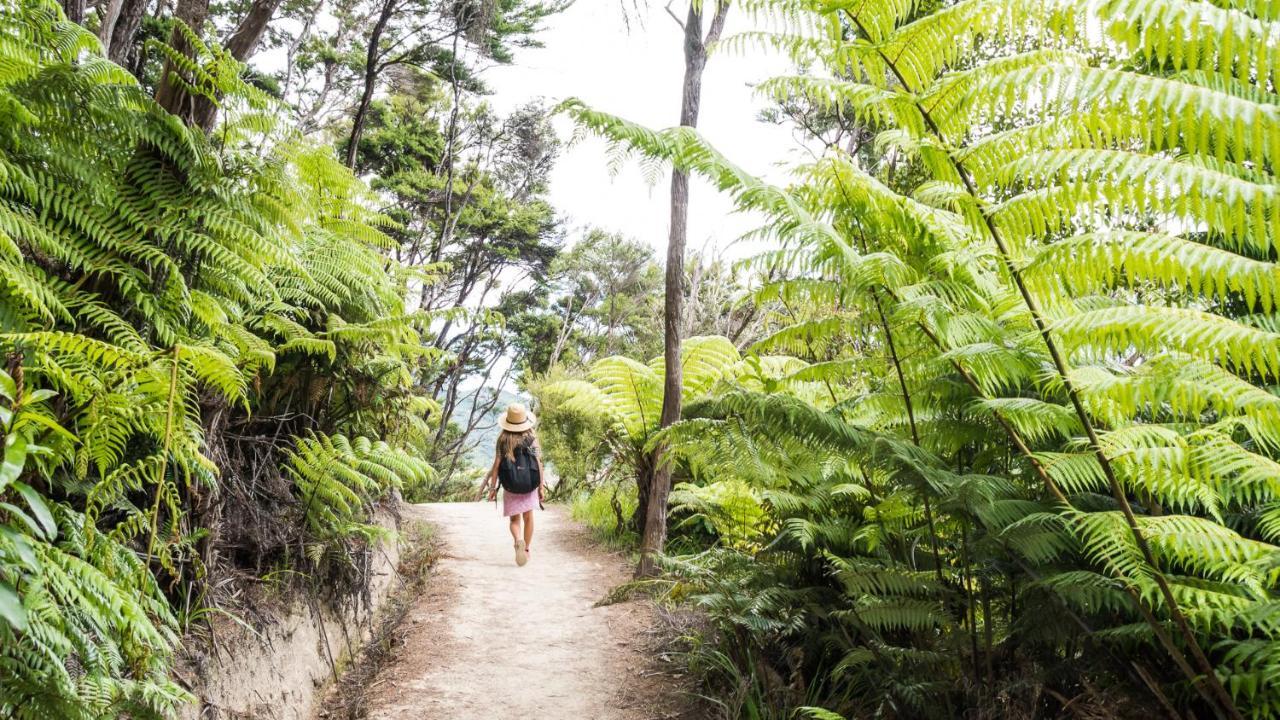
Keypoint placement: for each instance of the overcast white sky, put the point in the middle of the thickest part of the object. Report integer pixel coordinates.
(590, 53)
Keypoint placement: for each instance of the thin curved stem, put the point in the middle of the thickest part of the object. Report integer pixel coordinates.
(911, 420)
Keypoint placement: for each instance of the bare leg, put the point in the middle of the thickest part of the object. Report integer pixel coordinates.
(522, 555)
(528, 528)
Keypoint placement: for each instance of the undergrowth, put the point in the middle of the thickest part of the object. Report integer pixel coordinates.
(348, 699)
(607, 511)
(1010, 447)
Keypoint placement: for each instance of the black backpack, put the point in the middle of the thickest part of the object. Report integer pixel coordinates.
(520, 474)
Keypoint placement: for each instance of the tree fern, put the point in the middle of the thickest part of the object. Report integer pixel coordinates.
(204, 310)
(338, 480)
(1077, 228)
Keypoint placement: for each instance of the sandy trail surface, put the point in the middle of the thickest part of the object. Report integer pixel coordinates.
(491, 640)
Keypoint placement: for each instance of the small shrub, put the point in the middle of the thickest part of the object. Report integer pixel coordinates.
(607, 510)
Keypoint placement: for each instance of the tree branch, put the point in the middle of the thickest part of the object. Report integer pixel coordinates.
(674, 17)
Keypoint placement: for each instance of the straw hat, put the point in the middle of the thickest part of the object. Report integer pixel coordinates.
(517, 418)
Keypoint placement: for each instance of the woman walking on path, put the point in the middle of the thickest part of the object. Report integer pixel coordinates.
(517, 466)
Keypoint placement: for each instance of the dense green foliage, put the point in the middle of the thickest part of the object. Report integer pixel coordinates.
(201, 336)
(623, 397)
(1033, 275)
(996, 434)
(601, 296)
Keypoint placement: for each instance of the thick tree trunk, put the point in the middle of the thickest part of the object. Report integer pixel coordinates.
(110, 14)
(654, 535)
(74, 10)
(173, 96)
(200, 110)
(244, 40)
(122, 50)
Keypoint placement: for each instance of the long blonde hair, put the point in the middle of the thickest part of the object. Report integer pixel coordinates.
(508, 441)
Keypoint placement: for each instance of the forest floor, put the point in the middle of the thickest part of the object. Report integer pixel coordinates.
(488, 639)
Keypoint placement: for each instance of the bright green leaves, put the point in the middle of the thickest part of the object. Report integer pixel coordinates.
(1049, 255)
(1200, 36)
(629, 392)
(730, 508)
(1096, 262)
(1153, 330)
(11, 610)
(1083, 106)
(23, 421)
(15, 457)
(165, 283)
(1252, 677)
(1064, 187)
(337, 480)
(1036, 420)
(703, 362)
(214, 369)
(45, 525)
(1202, 547)
(71, 596)
(15, 549)
(634, 392)
(867, 103)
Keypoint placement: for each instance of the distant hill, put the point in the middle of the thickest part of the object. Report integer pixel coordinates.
(485, 436)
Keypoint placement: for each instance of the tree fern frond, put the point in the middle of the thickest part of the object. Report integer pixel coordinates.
(1152, 330)
(1093, 262)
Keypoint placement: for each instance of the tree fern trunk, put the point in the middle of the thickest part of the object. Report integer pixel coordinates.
(171, 95)
(644, 482)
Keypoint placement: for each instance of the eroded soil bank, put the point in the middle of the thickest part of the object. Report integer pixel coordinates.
(279, 666)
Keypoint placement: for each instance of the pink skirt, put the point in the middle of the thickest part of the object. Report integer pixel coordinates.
(516, 503)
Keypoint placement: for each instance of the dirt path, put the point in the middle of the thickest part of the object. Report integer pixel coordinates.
(492, 640)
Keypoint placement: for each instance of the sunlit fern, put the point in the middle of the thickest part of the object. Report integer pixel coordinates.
(152, 280)
(1076, 235)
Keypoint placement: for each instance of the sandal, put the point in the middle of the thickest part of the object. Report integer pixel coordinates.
(522, 556)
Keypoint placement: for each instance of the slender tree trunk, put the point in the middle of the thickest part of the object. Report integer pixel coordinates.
(244, 40)
(373, 57)
(298, 42)
(987, 639)
(570, 317)
(654, 535)
(971, 611)
(448, 162)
